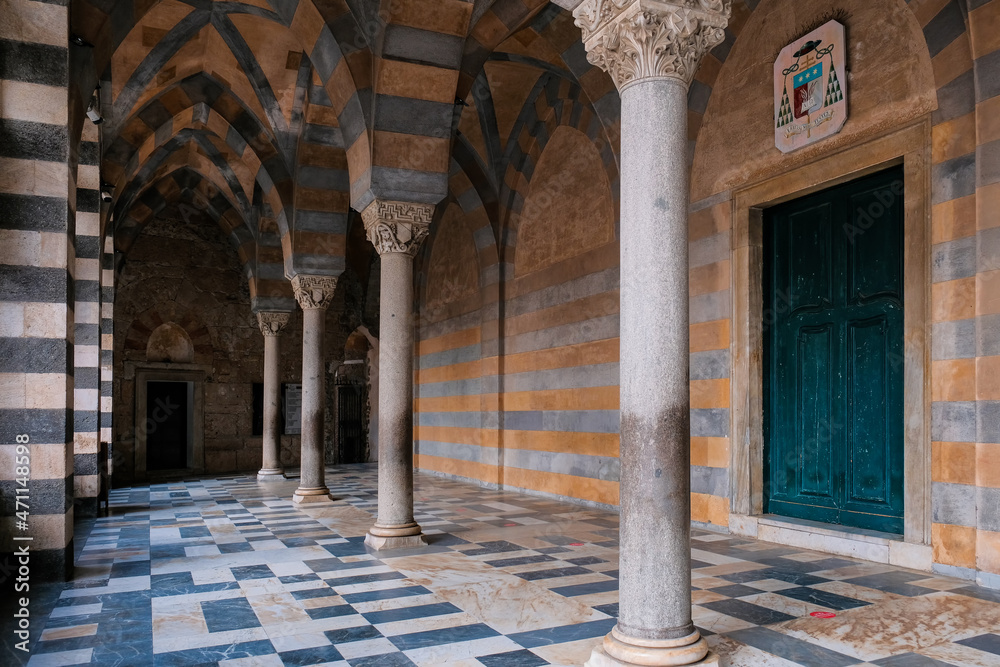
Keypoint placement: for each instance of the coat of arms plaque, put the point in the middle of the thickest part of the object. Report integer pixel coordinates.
(810, 88)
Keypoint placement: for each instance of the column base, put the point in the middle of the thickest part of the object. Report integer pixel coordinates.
(386, 543)
(617, 650)
(405, 536)
(601, 659)
(270, 475)
(311, 495)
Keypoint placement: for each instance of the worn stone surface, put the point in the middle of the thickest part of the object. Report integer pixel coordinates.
(655, 424)
(395, 498)
(313, 397)
(271, 447)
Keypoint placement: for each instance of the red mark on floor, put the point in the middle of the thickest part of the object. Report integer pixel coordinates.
(823, 614)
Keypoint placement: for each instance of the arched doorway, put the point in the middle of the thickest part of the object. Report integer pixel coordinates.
(354, 400)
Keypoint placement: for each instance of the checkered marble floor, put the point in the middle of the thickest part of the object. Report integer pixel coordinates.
(227, 571)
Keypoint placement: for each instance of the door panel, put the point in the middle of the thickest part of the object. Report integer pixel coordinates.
(868, 431)
(833, 336)
(873, 233)
(814, 402)
(810, 268)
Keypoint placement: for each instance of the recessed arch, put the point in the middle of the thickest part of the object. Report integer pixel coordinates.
(886, 46)
(569, 208)
(170, 342)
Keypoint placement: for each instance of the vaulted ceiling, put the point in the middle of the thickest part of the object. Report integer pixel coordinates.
(278, 116)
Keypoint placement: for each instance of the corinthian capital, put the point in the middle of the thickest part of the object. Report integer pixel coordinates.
(272, 323)
(397, 226)
(633, 40)
(314, 291)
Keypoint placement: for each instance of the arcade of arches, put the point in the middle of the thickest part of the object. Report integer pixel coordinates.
(540, 247)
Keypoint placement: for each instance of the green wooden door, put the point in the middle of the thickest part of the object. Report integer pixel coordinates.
(833, 351)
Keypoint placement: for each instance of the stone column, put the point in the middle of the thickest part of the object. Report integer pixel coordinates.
(314, 294)
(651, 49)
(396, 229)
(271, 325)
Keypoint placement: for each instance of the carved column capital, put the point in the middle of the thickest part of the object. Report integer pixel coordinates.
(272, 323)
(634, 40)
(397, 226)
(314, 291)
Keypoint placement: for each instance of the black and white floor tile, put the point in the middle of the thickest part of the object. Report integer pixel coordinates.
(229, 572)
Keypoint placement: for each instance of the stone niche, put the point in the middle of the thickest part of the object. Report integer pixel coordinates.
(170, 342)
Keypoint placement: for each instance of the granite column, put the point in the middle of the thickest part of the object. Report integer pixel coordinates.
(314, 294)
(271, 325)
(651, 49)
(396, 229)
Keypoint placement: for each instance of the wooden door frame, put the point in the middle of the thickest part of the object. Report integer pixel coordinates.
(911, 148)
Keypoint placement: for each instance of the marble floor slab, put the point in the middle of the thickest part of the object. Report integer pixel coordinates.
(227, 571)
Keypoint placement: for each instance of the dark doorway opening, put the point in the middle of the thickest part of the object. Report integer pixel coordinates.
(258, 409)
(833, 355)
(350, 424)
(168, 425)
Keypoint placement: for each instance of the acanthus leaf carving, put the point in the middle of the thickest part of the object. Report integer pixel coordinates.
(633, 40)
(394, 226)
(313, 291)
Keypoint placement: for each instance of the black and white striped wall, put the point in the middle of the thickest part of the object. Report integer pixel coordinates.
(37, 266)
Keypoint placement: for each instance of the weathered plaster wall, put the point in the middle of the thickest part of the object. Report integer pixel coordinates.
(890, 84)
(185, 272)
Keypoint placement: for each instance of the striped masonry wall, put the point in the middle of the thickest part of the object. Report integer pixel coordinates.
(560, 305)
(87, 335)
(37, 263)
(452, 433)
(953, 289)
(107, 352)
(414, 81)
(709, 228)
(524, 392)
(318, 239)
(456, 397)
(984, 21)
(560, 378)
(710, 299)
(535, 409)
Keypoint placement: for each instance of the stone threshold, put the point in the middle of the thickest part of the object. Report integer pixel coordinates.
(869, 545)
